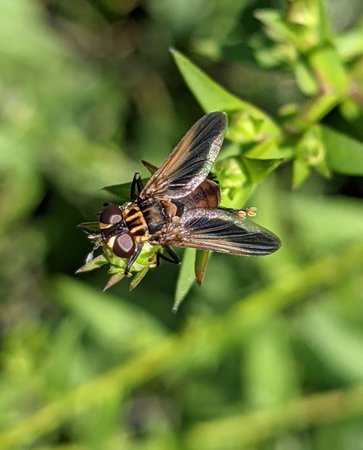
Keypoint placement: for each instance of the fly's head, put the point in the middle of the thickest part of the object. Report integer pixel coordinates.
(114, 231)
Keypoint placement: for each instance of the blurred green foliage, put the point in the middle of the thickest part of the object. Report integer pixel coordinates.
(267, 353)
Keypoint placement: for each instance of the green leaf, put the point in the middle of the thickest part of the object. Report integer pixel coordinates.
(186, 277)
(138, 277)
(95, 263)
(210, 94)
(114, 279)
(313, 111)
(310, 152)
(343, 154)
(234, 181)
(303, 25)
(247, 124)
(350, 43)
(305, 78)
(258, 169)
(270, 149)
(122, 191)
(350, 109)
(300, 171)
(146, 258)
(276, 28)
(90, 227)
(329, 70)
(201, 262)
(238, 177)
(311, 22)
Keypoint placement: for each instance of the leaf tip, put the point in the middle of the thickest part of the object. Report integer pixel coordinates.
(176, 305)
(115, 278)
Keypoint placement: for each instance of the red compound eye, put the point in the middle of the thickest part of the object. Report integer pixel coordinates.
(124, 246)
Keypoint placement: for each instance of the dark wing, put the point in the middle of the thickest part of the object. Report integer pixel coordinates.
(191, 160)
(221, 230)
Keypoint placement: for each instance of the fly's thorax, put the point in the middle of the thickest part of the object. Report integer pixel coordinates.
(136, 222)
(157, 214)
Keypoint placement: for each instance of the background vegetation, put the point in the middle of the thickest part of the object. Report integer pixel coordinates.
(267, 354)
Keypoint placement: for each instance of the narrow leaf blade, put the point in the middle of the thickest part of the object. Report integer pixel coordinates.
(186, 277)
(201, 262)
(344, 155)
(247, 124)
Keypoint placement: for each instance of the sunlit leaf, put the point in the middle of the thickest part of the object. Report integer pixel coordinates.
(329, 70)
(300, 171)
(343, 153)
(247, 122)
(95, 263)
(350, 43)
(305, 78)
(259, 169)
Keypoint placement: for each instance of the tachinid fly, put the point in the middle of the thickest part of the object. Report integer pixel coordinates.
(179, 206)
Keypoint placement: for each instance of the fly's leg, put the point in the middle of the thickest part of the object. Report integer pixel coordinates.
(171, 256)
(132, 259)
(136, 186)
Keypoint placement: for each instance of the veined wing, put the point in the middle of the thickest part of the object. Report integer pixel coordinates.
(221, 230)
(191, 160)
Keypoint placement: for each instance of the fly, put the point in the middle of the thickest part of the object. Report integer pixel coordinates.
(179, 206)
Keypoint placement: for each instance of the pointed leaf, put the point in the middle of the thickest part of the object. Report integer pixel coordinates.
(305, 78)
(329, 70)
(201, 262)
(300, 171)
(122, 191)
(138, 277)
(92, 227)
(115, 278)
(343, 153)
(186, 277)
(95, 263)
(258, 169)
(248, 124)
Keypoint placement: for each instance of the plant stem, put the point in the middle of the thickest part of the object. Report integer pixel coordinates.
(251, 429)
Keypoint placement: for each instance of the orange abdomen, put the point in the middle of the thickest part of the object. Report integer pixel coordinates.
(206, 195)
